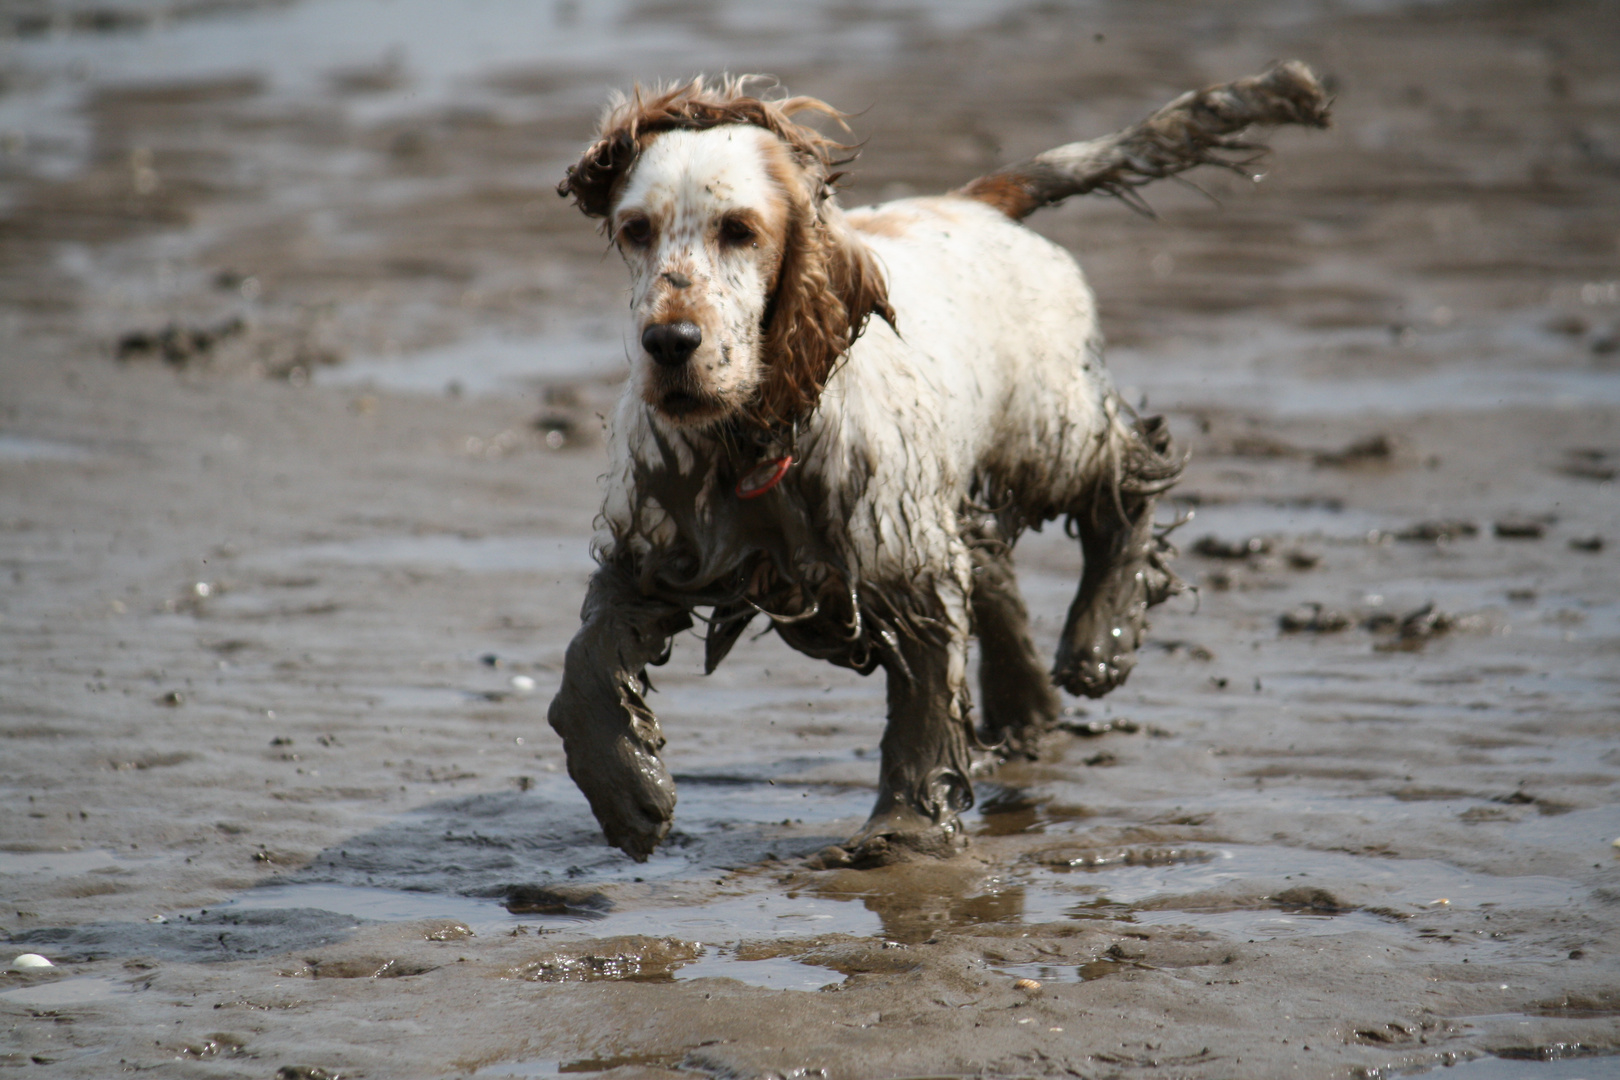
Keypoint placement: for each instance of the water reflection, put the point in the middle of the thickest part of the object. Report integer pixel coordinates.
(914, 901)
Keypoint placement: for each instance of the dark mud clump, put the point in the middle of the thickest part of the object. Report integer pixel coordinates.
(1313, 618)
(1443, 530)
(556, 900)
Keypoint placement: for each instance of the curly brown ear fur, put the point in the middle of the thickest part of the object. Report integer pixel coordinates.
(630, 123)
(828, 285)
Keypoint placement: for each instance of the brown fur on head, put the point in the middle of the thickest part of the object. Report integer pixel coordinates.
(826, 283)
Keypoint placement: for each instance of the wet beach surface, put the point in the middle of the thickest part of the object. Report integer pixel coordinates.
(301, 364)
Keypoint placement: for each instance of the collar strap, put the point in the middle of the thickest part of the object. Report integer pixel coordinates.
(762, 477)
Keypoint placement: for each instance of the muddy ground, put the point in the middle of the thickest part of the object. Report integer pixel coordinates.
(302, 364)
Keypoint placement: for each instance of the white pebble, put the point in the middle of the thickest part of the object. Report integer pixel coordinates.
(522, 684)
(30, 960)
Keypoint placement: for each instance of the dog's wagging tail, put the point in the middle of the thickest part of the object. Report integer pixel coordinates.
(840, 422)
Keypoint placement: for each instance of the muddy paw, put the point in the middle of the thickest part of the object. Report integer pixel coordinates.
(1000, 746)
(894, 837)
(631, 794)
(1093, 672)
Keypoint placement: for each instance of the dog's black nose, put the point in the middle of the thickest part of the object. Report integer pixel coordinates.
(671, 343)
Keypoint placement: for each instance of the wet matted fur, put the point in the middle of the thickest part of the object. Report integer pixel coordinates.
(778, 453)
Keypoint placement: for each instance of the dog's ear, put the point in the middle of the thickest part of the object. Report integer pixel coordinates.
(591, 180)
(828, 286)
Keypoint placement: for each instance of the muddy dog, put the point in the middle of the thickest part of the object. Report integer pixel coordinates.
(841, 422)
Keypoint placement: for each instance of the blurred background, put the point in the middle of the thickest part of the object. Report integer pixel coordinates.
(362, 182)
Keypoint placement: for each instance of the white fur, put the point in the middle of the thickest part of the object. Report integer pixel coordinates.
(992, 372)
(685, 183)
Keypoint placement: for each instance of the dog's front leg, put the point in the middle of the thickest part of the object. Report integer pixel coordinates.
(926, 748)
(611, 737)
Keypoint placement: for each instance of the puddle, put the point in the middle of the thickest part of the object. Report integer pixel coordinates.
(80, 991)
(765, 915)
(481, 845)
(1501, 1068)
(773, 974)
(460, 859)
(21, 448)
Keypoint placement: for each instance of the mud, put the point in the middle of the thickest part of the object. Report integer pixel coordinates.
(283, 599)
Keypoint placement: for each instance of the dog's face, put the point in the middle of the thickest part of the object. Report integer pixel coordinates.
(701, 221)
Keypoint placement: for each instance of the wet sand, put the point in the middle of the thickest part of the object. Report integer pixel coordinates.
(300, 376)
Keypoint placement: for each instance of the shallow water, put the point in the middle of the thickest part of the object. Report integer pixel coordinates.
(65, 993)
(1495, 1068)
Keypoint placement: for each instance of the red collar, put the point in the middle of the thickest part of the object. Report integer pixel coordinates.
(762, 477)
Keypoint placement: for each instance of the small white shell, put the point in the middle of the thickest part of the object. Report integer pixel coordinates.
(30, 960)
(1026, 984)
(522, 684)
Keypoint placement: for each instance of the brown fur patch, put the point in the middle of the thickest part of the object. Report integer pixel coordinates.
(889, 224)
(827, 286)
(1009, 193)
(632, 123)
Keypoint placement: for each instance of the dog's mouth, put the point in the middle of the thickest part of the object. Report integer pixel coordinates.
(687, 406)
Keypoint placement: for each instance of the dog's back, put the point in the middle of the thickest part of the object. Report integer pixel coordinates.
(993, 376)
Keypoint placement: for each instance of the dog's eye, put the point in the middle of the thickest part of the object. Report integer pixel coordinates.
(736, 231)
(635, 231)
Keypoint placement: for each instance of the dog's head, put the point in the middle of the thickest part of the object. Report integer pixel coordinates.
(745, 286)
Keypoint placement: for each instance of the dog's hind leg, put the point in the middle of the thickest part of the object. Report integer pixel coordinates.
(611, 737)
(1017, 702)
(1125, 569)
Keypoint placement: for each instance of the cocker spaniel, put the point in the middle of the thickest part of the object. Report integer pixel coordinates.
(841, 422)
